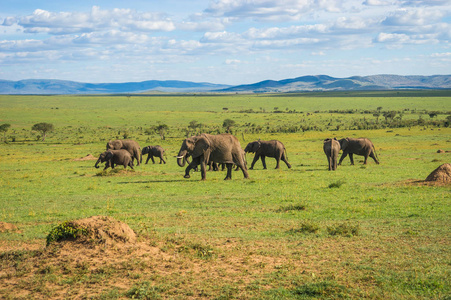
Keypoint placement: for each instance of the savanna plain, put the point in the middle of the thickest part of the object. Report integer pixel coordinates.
(360, 232)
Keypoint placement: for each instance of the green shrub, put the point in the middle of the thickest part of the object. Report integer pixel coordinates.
(306, 227)
(63, 231)
(343, 229)
(336, 184)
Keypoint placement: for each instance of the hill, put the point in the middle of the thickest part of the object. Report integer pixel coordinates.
(304, 83)
(355, 83)
(49, 86)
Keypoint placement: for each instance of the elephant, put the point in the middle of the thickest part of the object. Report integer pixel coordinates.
(271, 148)
(220, 148)
(152, 151)
(360, 146)
(331, 148)
(130, 145)
(115, 157)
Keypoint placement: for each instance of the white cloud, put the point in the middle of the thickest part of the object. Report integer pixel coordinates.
(232, 61)
(42, 21)
(272, 10)
(377, 2)
(414, 17)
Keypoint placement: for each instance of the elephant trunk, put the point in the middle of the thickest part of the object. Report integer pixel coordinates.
(181, 158)
(97, 163)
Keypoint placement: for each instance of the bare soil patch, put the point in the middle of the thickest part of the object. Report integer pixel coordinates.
(87, 157)
(4, 227)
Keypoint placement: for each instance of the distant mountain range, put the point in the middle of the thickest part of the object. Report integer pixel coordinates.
(299, 84)
(49, 86)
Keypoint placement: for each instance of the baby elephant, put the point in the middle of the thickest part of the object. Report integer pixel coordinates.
(115, 157)
(152, 151)
(271, 148)
(331, 148)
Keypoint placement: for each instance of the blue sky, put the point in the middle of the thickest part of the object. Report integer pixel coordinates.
(222, 41)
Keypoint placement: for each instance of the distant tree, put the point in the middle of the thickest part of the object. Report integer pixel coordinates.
(4, 128)
(162, 129)
(377, 115)
(43, 128)
(389, 115)
(228, 124)
(432, 114)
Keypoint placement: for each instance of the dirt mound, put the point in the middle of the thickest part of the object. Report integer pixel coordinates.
(4, 227)
(96, 229)
(441, 175)
(87, 157)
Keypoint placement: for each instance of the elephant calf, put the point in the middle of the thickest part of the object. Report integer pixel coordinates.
(271, 148)
(331, 148)
(115, 157)
(130, 145)
(152, 151)
(360, 146)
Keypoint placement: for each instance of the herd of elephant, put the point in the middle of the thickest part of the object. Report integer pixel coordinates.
(211, 150)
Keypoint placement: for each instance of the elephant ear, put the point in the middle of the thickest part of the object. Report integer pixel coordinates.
(109, 155)
(201, 145)
(258, 145)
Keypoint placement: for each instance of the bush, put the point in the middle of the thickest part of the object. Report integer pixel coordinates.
(306, 227)
(65, 231)
(343, 229)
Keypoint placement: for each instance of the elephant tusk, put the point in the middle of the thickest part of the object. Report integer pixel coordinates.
(180, 156)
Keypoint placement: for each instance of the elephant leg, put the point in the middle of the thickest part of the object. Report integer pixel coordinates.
(136, 156)
(365, 159)
(351, 157)
(342, 157)
(192, 165)
(229, 171)
(148, 157)
(256, 157)
(329, 162)
(374, 157)
(264, 162)
(203, 170)
(162, 159)
(285, 160)
(153, 160)
(277, 162)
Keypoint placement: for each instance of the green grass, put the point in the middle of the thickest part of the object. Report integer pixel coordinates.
(300, 233)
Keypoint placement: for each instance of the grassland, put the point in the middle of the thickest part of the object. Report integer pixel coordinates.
(362, 232)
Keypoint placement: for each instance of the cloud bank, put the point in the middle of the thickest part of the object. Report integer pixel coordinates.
(227, 36)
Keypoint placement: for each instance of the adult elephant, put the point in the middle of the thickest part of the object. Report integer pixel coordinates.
(115, 157)
(331, 148)
(360, 146)
(130, 145)
(221, 148)
(262, 149)
(152, 151)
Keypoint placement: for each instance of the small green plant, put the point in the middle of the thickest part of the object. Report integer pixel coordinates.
(63, 231)
(336, 184)
(343, 229)
(325, 289)
(306, 227)
(203, 251)
(291, 207)
(144, 290)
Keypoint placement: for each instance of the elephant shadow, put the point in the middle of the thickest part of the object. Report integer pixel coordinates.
(152, 181)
